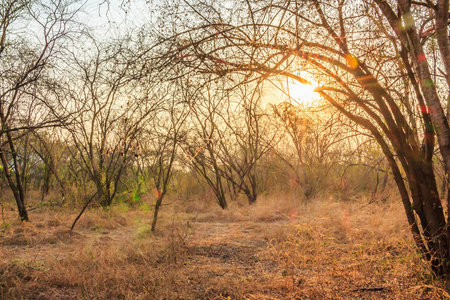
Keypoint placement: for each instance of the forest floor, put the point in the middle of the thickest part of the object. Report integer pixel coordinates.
(276, 249)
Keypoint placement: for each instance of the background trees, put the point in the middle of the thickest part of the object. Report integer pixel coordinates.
(85, 113)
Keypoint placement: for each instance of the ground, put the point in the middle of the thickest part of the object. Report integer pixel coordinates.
(276, 249)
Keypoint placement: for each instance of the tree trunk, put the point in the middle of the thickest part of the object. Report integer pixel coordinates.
(17, 195)
(156, 211)
(424, 191)
(251, 199)
(46, 184)
(103, 195)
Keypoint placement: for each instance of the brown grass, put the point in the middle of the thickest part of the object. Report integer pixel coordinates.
(276, 249)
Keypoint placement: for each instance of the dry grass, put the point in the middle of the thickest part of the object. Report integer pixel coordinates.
(276, 249)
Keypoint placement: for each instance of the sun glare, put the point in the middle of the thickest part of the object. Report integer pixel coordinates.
(302, 93)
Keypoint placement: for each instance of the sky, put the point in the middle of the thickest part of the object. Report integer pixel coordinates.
(111, 17)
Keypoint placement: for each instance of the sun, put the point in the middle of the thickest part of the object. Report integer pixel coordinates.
(292, 91)
(302, 93)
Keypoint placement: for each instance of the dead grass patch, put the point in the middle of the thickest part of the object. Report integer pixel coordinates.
(273, 250)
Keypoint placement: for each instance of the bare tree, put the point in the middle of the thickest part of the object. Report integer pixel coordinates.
(201, 146)
(28, 92)
(245, 138)
(371, 61)
(116, 97)
(312, 143)
(159, 146)
(231, 135)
